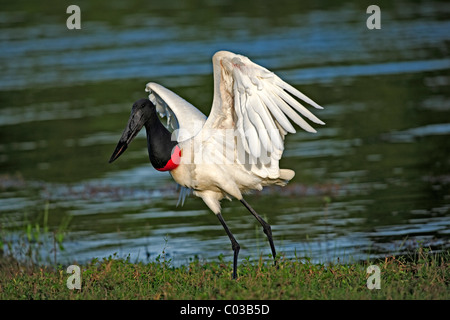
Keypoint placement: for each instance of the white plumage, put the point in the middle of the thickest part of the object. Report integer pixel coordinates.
(238, 147)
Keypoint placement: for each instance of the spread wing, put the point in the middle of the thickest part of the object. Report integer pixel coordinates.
(182, 117)
(260, 107)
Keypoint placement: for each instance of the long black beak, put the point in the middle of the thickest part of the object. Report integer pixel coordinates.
(121, 147)
(135, 124)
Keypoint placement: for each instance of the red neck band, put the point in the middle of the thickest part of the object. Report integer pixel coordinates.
(174, 160)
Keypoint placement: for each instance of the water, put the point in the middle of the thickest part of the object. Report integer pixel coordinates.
(373, 182)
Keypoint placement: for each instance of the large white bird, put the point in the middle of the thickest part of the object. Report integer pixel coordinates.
(233, 151)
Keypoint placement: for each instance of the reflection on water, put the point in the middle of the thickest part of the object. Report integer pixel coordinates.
(374, 181)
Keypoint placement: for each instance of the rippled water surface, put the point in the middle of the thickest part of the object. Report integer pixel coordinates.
(373, 182)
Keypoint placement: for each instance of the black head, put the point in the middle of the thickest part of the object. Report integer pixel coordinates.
(142, 104)
(142, 111)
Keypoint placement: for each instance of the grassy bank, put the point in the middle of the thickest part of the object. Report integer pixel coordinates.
(422, 275)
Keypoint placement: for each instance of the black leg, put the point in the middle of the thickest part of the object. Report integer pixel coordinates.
(266, 227)
(234, 244)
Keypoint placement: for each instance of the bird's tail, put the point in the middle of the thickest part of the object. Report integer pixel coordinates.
(285, 176)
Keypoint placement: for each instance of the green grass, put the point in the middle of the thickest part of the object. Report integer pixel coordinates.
(421, 275)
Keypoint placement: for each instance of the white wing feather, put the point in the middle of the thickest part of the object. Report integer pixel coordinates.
(182, 116)
(260, 107)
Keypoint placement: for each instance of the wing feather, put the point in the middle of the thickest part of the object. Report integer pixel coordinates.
(277, 114)
(292, 114)
(286, 86)
(260, 106)
(269, 121)
(264, 140)
(182, 116)
(252, 135)
(298, 106)
(240, 121)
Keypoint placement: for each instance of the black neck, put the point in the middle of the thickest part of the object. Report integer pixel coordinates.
(159, 142)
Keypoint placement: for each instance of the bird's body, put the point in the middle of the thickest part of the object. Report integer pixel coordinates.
(213, 179)
(237, 148)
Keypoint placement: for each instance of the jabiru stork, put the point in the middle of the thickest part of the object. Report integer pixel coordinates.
(236, 149)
